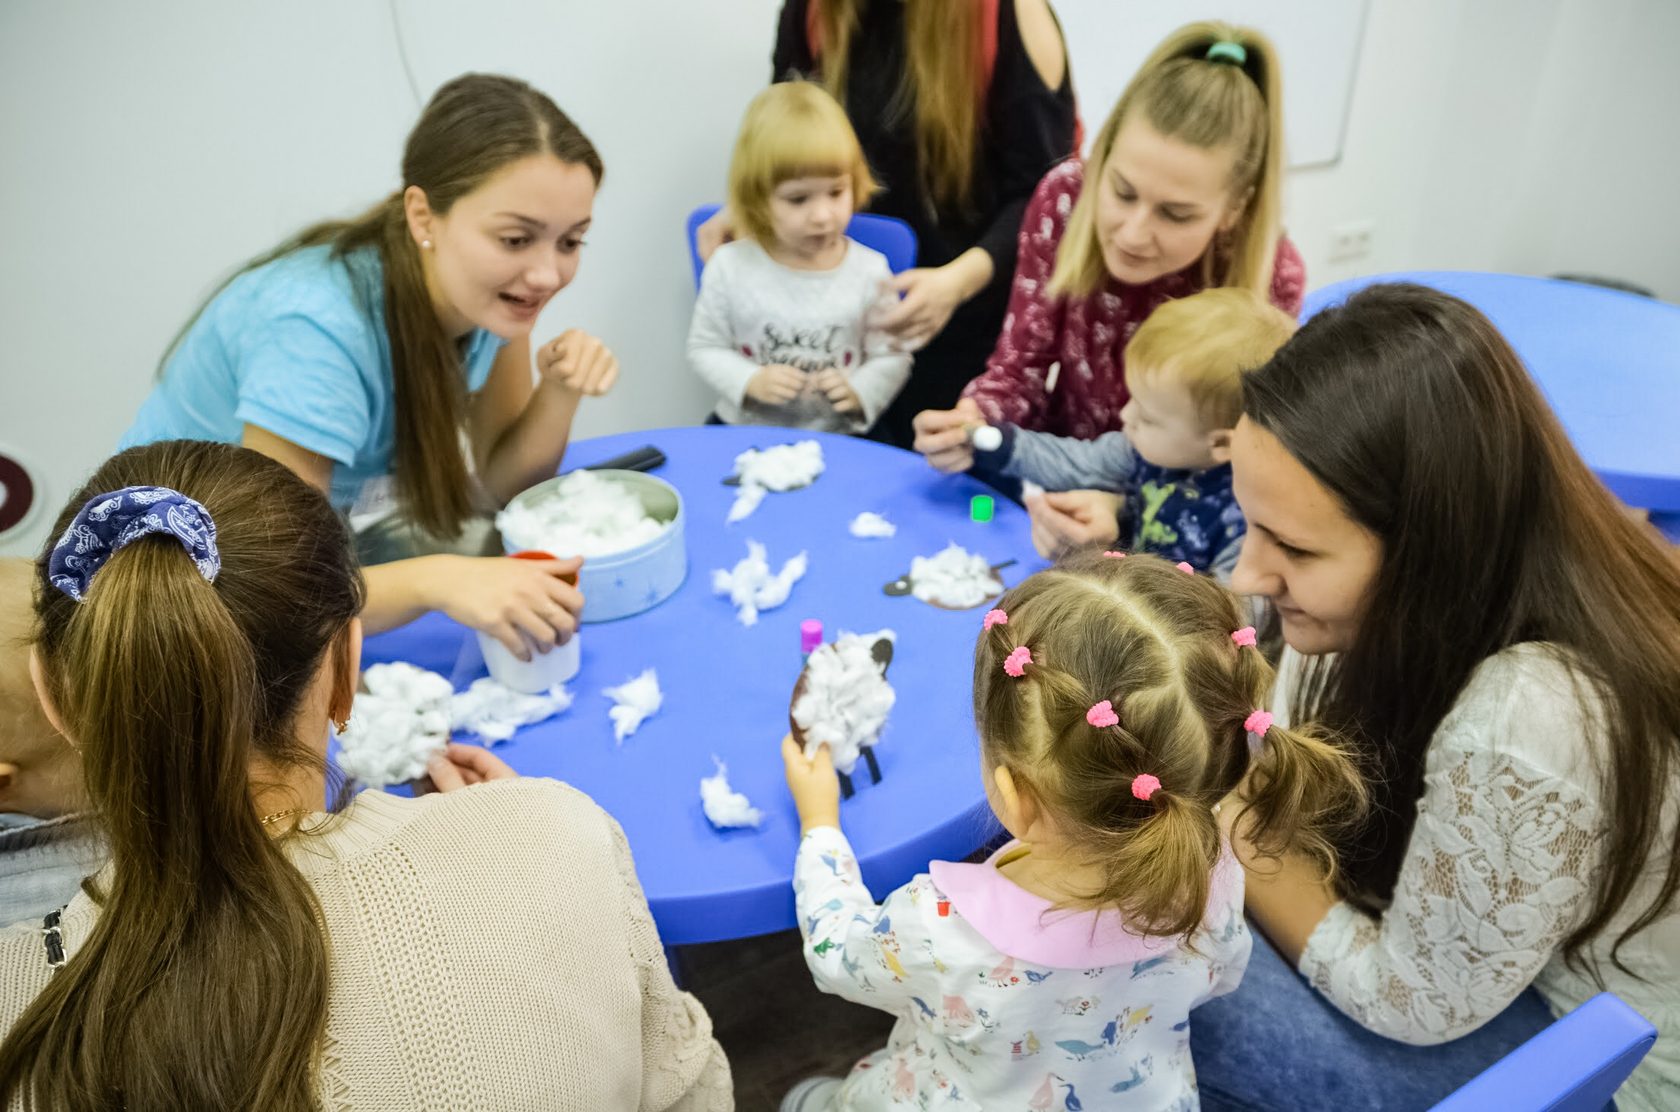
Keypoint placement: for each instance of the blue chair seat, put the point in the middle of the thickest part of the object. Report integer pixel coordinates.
(1575, 1065)
(889, 235)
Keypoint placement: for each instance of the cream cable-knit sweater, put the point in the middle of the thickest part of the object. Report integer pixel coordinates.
(491, 948)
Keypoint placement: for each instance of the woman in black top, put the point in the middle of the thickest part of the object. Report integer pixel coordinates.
(958, 166)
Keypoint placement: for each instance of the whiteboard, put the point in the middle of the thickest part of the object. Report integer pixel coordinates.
(1318, 42)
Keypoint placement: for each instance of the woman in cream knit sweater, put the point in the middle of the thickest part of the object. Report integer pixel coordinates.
(485, 948)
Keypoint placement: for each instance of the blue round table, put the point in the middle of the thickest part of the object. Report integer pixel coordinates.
(1607, 361)
(727, 686)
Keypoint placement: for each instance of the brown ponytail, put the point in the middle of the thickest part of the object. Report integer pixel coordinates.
(472, 127)
(1156, 644)
(203, 983)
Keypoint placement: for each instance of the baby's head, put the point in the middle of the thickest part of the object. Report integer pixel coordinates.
(1130, 723)
(798, 172)
(1184, 369)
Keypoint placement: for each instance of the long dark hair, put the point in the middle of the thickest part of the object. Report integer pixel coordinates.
(203, 983)
(1411, 408)
(472, 127)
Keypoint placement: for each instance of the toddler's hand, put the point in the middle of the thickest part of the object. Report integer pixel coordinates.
(942, 435)
(776, 384)
(833, 386)
(814, 786)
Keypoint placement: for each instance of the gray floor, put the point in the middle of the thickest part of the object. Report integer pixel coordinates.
(773, 1023)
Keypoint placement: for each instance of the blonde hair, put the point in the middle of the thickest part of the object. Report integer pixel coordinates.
(943, 45)
(791, 130)
(1206, 104)
(1157, 644)
(1206, 342)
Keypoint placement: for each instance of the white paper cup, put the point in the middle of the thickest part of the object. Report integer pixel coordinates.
(534, 676)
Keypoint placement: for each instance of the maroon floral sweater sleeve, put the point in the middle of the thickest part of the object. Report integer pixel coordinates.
(1012, 388)
(1084, 338)
(1289, 278)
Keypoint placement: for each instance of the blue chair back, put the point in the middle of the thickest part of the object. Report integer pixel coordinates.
(889, 235)
(1575, 1065)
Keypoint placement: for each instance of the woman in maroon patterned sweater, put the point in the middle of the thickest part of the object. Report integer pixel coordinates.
(1184, 194)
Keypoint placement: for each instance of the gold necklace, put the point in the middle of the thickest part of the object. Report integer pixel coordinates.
(278, 815)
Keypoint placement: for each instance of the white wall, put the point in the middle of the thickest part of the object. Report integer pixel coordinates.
(150, 148)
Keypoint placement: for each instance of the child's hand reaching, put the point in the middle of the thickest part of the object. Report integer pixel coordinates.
(814, 786)
(834, 386)
(776, 384)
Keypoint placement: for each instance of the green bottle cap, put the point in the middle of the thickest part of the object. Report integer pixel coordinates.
(981, 507)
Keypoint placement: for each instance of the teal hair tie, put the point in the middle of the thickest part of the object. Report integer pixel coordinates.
(1227, 51)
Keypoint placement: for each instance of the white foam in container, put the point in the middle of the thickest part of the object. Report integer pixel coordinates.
(619, 584)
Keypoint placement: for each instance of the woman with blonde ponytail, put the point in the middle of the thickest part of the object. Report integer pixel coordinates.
(388, 359)
(1182, 191)
(1118, 704)
(196, 633)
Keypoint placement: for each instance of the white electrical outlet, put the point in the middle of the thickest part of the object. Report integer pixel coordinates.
(1350, 241)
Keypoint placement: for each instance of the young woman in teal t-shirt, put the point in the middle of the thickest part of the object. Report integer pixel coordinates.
(388, 361)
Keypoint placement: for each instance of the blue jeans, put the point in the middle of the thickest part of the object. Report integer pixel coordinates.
(42, 863)
(1277, 1044)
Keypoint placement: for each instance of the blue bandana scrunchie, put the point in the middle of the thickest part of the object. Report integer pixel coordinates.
(109, 521)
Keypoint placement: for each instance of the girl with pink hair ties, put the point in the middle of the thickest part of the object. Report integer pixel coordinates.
(1118, 708)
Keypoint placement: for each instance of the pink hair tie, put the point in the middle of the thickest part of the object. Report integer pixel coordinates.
(1102, 715)
(1258, 722)
(1016, 662)
(1244, 637)
(1144, 785)
(994, 618)
(1184, 566)
(1115, 555)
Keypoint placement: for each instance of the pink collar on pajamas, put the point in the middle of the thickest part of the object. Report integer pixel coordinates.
(1023, 925)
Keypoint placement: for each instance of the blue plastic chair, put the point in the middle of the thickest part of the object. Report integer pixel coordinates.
(889, 235)
(1575, 1065)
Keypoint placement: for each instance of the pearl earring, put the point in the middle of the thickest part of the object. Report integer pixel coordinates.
(426, 244)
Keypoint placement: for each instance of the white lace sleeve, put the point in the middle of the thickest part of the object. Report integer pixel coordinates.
(1497, 873)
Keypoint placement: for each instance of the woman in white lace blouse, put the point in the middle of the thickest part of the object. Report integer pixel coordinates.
(1461, 596)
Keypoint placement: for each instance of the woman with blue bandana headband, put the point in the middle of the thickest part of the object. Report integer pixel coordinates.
(196, 632)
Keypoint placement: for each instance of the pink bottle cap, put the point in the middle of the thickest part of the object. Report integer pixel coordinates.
(810, 635)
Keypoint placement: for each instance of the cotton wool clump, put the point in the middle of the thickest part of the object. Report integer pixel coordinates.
(870, 525)
(634, 701)
(495, 712)
(846, 698)
(781, 468)
(752, 588)
(586, 515)
(954, 577)
(724, 806)
(397, 725)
